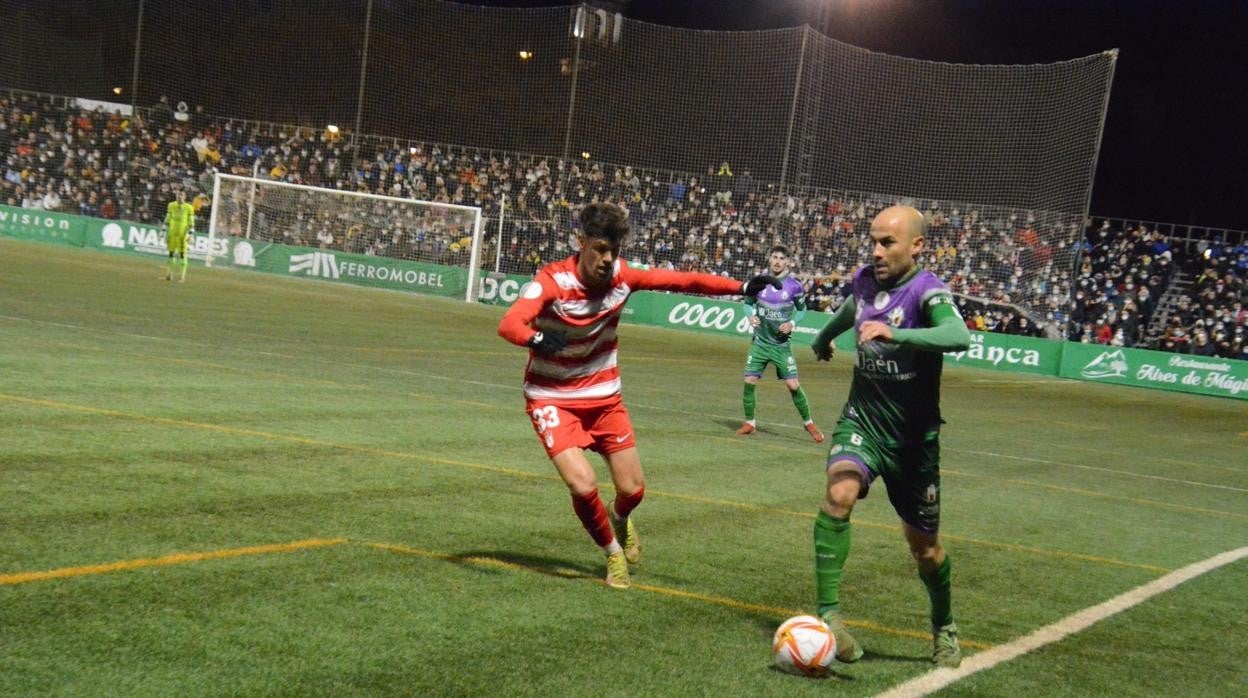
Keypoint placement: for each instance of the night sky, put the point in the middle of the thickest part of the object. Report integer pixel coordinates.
(1175, 147)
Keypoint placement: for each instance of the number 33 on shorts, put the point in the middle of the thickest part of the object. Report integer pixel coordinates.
(545, 418)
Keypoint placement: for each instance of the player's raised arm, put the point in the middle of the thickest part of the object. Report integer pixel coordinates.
(694, 282)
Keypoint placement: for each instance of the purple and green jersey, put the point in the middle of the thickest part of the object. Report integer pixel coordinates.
(895, 394)
(774, 307)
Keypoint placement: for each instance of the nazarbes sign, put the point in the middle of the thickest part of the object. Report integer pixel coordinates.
(124, 236)
(1155, 369)
(1010, 353)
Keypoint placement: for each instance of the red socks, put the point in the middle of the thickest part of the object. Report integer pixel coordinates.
(625, 503)
(593, 516)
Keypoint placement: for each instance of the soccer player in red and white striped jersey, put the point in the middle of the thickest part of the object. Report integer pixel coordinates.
(567, 316)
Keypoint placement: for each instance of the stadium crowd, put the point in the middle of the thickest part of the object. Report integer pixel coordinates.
(1012, 270)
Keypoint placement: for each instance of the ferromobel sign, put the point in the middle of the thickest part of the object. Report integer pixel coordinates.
(1155, 369)
(364, 270)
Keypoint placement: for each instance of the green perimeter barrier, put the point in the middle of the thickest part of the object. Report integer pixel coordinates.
(703, 314)
(1002, 352)
(1155, 369)
(42, 226)
(500, 289)
(1087, 362)
(326, 265)
(1005, 352)
(350, 268)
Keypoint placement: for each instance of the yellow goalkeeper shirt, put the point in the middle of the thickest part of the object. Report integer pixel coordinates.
(179, 217)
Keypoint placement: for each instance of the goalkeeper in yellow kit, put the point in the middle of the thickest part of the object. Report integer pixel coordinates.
(179, 224)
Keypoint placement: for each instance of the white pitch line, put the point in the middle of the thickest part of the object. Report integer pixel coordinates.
(940, 678)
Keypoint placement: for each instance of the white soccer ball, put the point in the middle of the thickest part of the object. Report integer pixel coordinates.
(804, 645)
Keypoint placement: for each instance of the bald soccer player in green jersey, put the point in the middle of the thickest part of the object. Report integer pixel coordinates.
(904, 318)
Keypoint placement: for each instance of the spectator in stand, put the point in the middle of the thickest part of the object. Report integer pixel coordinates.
(1201, 346)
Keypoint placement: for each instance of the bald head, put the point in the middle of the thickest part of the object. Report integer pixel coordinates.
(897, 233)
(901, 221)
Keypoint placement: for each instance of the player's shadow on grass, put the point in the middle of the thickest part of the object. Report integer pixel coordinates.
(502, 560)
(833, 675)
(731, 426)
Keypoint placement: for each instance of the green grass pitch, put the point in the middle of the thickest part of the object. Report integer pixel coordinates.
(252, 485)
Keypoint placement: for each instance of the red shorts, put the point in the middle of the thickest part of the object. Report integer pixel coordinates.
(603, 426)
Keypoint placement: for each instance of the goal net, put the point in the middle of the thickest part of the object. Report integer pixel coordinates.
(346, 236)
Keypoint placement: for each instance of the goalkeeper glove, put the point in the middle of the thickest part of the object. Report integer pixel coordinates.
(755, 286)
(548, 343)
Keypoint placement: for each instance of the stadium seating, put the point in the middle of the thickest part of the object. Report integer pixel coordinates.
(1134, 286)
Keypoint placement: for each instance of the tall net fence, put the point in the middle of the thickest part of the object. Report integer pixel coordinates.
(721, 144)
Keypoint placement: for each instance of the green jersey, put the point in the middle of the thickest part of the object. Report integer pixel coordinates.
(774, 307)
(895, 394)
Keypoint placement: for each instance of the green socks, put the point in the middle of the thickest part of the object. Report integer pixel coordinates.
(939, 589)
(803, 407)
(799, 401)
(831, 549)
(184, 261)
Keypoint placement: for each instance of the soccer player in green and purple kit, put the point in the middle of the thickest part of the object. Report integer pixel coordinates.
(905, 319)
(773, 315)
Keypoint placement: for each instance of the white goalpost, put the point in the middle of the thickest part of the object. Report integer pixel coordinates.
(354, 234)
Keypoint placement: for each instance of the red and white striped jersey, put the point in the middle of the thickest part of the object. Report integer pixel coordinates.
(586, 369)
